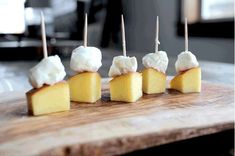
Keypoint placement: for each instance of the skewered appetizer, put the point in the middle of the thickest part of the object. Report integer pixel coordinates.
(85, 86)
(154, 77)
(189, 73)
(126, 84)
(50, 93)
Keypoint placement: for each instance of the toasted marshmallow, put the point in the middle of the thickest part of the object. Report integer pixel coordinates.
(186, 60)
(48, 71)
(86, 59)
(158, 61)
(122, 65)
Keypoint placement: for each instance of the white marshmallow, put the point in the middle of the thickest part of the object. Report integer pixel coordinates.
(158, 61)
(48, 71)
(186, 60)
(86, 59)
(122, 65)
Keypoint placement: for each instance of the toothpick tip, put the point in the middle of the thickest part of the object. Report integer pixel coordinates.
(122, 16)
(123, 35)
(85, 31)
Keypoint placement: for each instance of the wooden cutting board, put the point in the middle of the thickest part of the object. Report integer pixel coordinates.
(108, 128)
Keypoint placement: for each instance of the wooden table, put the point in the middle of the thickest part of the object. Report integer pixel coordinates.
(120, 128)
(108, 128)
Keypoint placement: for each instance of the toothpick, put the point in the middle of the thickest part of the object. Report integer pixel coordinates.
(85, 31)
(44, 42)
(157, 35)
(186, 33)
(123, 36)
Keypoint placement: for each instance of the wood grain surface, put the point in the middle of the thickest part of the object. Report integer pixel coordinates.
(109, 128)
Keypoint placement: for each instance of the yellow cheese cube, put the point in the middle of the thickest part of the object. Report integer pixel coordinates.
(126, 88)
(85, 87)
(49, 99)
(153, 81)
(188, 81)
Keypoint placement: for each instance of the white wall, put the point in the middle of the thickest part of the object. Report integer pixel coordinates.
(140, 18)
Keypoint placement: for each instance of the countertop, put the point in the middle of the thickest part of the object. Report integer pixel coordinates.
(13, 74)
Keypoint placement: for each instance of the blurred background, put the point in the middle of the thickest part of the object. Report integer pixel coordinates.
(211, 33)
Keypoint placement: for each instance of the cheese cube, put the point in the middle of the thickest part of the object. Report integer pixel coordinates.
(49, 99)
(126, 88)
(85, 87)
(153, 81)
(188, 81)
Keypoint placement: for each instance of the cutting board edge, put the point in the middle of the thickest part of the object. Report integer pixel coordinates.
(151, 139)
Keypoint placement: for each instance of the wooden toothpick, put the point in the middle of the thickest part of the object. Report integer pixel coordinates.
(85, 31)
(186, 33)
(44, 41)
(157, 35)
(123, 36)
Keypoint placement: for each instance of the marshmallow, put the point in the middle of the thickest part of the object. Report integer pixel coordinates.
(48, 71)
(158, 61)
(186, 60)
(86, 59)
(122, 65)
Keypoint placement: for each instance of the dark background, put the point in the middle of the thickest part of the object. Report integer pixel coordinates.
(211, 41)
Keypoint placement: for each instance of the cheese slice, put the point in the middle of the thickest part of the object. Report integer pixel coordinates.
(153, 81)
(188, 81)
(49, 99)
(126, 88)
(85, 87)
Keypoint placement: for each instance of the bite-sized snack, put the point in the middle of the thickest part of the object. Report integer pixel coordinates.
(188, 78)
(154, 77)
(85, 86)
(126, 84)
(50, 93)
